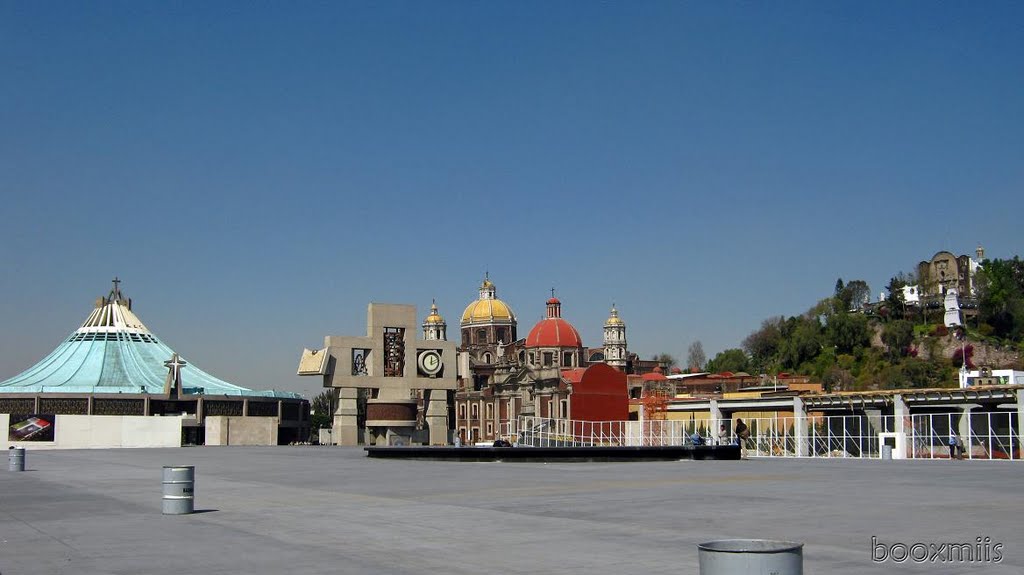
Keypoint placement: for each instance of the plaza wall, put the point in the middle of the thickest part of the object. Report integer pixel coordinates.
(103, 431)
(231, 430)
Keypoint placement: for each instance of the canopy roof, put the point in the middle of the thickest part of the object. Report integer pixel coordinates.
(113, 352)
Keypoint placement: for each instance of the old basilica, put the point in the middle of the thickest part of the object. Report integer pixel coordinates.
(503, 376)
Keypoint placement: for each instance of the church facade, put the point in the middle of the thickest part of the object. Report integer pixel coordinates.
(549, 373)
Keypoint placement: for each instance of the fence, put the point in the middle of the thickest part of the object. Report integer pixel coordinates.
(988, 435)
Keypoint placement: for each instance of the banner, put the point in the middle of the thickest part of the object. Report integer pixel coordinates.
(32, 427)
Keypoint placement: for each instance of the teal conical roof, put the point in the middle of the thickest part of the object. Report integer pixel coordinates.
(113, 352)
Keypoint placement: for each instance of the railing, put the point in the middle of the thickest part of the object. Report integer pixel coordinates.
(988, 435)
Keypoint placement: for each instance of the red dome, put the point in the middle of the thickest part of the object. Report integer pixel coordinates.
(554, 300)
(554, 332)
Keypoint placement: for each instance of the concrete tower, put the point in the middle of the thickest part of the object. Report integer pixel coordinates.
(615, 340)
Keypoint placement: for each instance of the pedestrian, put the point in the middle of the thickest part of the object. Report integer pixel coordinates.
(953, 441)
(458, 439)
(723, 435)
(742, 434)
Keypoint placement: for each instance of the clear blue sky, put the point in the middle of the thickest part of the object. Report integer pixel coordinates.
(257, 172)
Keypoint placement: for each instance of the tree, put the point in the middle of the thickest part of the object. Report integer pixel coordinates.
(1001, 297)
(664, 359)
(896, 301)
(695, 358)
(322, 407)
(801, 343)
(763, 344)
(732, 360)
(847, 332)
(855, 294)
(897, 336)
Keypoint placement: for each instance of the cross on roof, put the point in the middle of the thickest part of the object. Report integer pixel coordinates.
(552, 292)
(115, 293)
(175, 364)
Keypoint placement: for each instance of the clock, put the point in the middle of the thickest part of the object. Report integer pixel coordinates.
(429, 362)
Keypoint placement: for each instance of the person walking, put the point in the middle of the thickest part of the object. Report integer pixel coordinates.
(742, 434)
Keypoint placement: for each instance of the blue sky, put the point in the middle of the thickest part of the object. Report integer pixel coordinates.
(257, 172)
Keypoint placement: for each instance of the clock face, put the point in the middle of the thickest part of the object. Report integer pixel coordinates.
(430, 362)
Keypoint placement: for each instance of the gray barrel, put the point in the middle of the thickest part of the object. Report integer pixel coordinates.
(16, 459)
(179, 489)
(751, 557)
(886, 452)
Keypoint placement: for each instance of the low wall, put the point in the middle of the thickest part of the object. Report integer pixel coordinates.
(232, 430)
(103, 431)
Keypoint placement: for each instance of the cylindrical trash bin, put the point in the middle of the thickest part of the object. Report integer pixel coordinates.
(751, 557)
(16, 459)
(179, 489)
(886, 452)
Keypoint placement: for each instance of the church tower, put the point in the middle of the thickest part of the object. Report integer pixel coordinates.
(434, 327)
(615, 340)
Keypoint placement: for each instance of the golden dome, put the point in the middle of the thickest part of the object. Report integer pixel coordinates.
(614, 319)
(486, 310)
(434, 317)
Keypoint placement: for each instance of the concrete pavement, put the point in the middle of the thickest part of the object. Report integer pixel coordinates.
(270, 510)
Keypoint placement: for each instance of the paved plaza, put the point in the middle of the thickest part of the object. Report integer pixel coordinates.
(300, 510)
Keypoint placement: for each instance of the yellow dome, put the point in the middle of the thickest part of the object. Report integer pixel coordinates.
(487, 310)
(614, 319)
(434, 317)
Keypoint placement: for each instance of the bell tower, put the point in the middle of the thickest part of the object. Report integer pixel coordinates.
(434, 326)
(615, 340)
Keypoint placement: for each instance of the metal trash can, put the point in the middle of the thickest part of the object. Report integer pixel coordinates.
(16, 459)
(751, 557)
(886, 452)
(179, 489)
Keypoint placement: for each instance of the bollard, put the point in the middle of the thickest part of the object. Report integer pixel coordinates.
(886, 452)
(751, 557)
(16, 459)
(179, 489)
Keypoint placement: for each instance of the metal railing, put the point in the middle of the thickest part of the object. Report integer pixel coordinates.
(987, 435)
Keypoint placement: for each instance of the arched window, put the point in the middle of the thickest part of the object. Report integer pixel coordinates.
(462, 411)
(481, 336)
(475, 411)
(487, 358)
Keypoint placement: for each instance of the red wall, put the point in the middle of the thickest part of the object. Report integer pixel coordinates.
(600, 395)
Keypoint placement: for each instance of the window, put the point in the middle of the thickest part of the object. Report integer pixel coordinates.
(490, 429)
(532, 359)
(549, 358)
(487, 358)
(481, 336)
(567, 359)
(475, 410)
(462, 411)
(563, 408)
(489, 410)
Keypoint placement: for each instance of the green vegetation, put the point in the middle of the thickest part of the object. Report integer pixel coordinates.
(852, 346)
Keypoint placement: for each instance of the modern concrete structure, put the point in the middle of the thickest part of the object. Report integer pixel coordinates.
(106, 382)
(390, 383)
